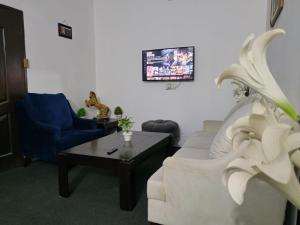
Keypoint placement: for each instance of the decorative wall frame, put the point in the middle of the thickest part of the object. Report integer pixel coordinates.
(276, 8)
(64, 31)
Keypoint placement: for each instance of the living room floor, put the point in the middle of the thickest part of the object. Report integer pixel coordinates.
(29, 195)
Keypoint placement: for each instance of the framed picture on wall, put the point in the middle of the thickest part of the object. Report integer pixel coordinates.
(276, 8)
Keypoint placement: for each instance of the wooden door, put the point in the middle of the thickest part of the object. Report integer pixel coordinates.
(13, 83)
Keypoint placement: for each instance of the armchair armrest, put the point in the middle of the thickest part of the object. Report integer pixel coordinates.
(37, 127)
(26, 123)
(37, 139)
(84, 123)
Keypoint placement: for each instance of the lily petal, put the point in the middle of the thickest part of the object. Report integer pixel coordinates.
(238, 125)
(295, 157)
(238, 139)
(259, 49)
(293, 142)
(253, 71)
(238, 165)
(253, 151)
(242, 164)
(273, 139)
(259, 123)
(246, 60)
(258, 108)
(237, 184)
(273, 92)
(279, 169)
(237, 72)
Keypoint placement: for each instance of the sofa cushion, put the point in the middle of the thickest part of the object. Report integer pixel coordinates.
(192, 153)
(155, 188)
(196, 147)
(200, 139)
(212, 125)
(71, 138)
(221, 145)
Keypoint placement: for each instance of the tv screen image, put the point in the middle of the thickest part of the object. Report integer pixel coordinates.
(169, 64)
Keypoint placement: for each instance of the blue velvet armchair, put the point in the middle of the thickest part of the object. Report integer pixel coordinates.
(48, 125)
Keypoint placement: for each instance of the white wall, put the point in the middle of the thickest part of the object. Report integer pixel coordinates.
(216, 28)
(58, 64)
(284, 53)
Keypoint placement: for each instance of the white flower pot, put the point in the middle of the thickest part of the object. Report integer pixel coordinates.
(118, 117)
(127, 135)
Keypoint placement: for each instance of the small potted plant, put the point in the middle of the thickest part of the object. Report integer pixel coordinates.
(81, 112)
(126, 124)
(118, 112)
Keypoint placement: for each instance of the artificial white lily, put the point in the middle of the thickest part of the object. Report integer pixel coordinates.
(267, 149)
(254, 72)
(259, 109)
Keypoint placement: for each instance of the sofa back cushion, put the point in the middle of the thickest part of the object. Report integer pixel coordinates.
(221, 145)
(212, 125)
(50, 109)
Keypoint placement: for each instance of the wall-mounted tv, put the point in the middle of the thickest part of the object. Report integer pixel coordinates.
(169, 64)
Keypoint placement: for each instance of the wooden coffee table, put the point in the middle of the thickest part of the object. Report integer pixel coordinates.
(124, 161)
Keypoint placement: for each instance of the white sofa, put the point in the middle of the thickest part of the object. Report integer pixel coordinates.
(188, 190)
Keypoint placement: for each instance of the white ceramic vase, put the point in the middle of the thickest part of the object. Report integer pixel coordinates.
(127, 135)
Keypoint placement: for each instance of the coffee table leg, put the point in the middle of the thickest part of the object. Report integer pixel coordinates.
(63, 181)
(127, 186)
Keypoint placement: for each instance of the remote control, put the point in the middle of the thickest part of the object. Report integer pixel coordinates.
(112, 151)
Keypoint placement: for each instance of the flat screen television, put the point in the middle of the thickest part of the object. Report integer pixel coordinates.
(169, 64)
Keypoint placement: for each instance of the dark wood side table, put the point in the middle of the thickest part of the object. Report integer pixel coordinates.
(109, 125)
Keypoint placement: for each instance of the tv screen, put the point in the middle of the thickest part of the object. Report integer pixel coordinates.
(169, 64)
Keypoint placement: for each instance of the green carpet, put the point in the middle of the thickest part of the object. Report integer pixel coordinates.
(29, 196)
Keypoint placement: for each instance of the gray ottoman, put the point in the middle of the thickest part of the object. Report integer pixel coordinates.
(163, 126)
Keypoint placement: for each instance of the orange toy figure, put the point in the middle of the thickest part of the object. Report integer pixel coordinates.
(103, 109)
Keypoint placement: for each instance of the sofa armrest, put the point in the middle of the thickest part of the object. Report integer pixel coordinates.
(195, 194)
(199, 165)
(84, 123)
